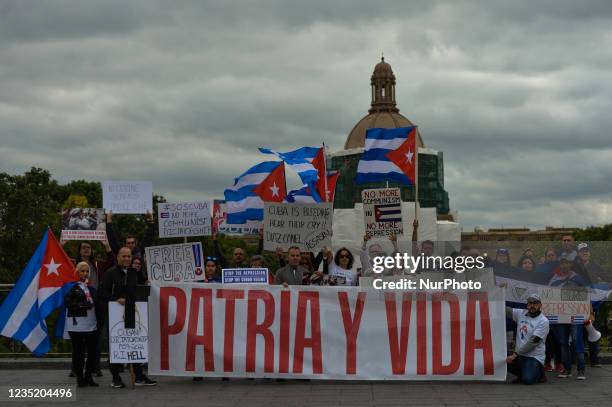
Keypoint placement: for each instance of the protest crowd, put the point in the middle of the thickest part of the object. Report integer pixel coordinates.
(539, 346)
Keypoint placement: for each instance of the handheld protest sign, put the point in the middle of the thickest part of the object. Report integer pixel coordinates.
(83, 224)
(307, 226)
(128, 345)
(132, 197)
(382, 212)
(184, 219)
(245, 276)
(181, 262)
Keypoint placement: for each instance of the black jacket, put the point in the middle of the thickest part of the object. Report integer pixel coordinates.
(77, 305)
(117, 283)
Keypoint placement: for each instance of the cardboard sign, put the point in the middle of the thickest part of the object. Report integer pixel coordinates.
(184, 219)
(83, 224)
(382, 212)
(564, 305)
(307, 226)
(128, 345)
(245, 276)
(175, 262)
(220, 225)
(127, 196)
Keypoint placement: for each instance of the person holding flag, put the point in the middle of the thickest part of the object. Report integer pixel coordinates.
(40, 290)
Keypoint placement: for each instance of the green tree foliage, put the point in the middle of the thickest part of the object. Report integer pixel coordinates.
(594, 233)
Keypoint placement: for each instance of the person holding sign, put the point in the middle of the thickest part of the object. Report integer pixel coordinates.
(82, 326)
(527, 360)
(131, 242)
(342, 266)
(211, 270)
(292, 273)
(119, 284)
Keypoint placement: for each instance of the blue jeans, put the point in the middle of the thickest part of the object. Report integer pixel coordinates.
(527, 369)
(563, 333)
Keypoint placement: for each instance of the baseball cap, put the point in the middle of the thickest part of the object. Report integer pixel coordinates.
(502, 250)
(583, 246)
(534, 297)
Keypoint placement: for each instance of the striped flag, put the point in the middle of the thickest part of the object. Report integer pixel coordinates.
(388, 212)
(243, 202)
(389, 155)
(39, 290)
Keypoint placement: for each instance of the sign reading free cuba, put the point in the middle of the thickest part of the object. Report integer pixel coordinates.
(326, 333)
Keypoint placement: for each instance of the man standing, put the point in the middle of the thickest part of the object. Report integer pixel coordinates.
(292, 273)
(568, 249)
(527, 361)
(119, 284)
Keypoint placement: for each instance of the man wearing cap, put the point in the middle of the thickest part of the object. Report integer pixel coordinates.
(527, 361)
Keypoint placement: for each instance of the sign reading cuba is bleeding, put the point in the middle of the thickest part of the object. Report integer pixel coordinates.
(325, 333)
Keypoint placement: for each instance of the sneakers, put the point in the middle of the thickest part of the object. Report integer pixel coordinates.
(559, 367)
(145, 381)
(117, 384)
(548, 367)
(564, 374)
(580, 375)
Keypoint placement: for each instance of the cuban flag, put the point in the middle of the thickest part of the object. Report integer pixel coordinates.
(265, 182)
(301, 160)
(40, 290)
(389, 155)
(388, 212)
(304, 194)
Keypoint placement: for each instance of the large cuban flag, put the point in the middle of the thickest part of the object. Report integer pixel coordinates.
(40, 290)
(389, 155)
(263, 182)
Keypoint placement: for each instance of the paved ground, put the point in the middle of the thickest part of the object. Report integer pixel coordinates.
(176, 392)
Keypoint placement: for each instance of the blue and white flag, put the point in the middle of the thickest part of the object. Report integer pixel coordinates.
(301, 195)
(242, 203)
(40, 290)
(300, 160)
(378, 163)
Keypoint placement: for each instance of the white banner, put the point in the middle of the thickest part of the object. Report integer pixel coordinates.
(175, 262)
(184, 219)
(127, 196)
(382, 212)
(307, 226)
(128, 345)
(326, 333)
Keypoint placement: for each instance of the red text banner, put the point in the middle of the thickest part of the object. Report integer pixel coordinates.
(325, 333)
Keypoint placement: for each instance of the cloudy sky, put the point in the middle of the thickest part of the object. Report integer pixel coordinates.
(518, 95)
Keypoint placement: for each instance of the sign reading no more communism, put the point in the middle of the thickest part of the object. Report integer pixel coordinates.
(183, 219)
(175, 262)
(382, 212)
(127, 196)
(307, 226)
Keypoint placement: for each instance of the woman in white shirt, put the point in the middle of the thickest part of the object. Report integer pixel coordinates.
(342, 266)
(82, 326)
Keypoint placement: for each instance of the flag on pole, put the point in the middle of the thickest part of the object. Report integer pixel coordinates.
(390, 155)
(301, 160)
(304, 194)
(244, 200)
(39, 290)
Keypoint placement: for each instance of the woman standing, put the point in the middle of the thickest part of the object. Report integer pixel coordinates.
(82, 326)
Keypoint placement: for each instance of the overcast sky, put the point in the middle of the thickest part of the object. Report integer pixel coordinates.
(518, 95)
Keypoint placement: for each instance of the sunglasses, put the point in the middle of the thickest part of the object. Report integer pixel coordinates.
(213, 258)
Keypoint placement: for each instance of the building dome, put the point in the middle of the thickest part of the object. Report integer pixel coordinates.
(383, 112)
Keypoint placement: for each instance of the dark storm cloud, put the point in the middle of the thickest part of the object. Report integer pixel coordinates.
(516, 94)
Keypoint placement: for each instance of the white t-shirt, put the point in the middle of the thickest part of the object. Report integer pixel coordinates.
(350, 276)
(527, 327)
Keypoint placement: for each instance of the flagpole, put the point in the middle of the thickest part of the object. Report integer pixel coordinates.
(324, 173)
(416, 175)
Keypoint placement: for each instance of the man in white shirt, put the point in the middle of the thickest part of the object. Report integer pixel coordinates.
(527, 361)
